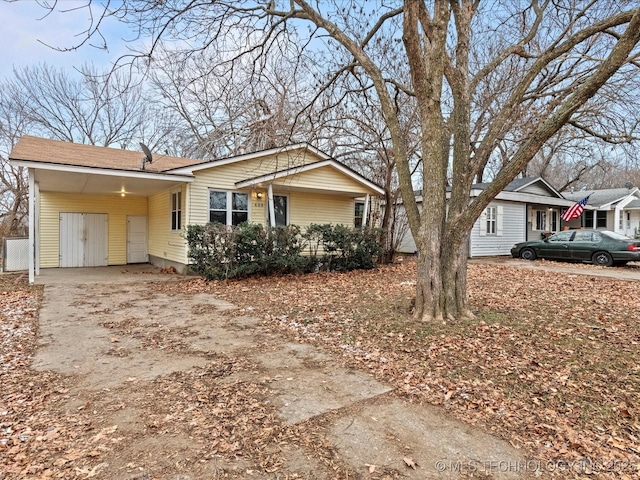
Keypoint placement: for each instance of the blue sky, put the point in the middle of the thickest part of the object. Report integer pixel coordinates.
(23, 27)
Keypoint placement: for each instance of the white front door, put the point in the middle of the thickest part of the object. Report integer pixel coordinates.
(137, 239)
(83, 239)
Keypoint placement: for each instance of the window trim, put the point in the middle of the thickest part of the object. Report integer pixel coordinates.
(177, 212)
(229, 211)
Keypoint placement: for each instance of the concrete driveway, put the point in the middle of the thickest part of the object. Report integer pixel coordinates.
(126, 344)
(629, 272)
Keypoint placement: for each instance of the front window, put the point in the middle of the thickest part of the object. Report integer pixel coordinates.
(228, 208)
(176, 211)
(601, 219)
(541, 220)
(358, 215)
(492, 216)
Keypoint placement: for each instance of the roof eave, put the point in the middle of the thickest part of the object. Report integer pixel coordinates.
(102, 171)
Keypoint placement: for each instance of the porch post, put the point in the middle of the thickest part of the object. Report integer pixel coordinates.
(272, 213)
(32, 226)
(365, 212)
(36, 226)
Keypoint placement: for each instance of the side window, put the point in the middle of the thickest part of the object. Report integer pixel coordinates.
(561, 236)
(176, 211)
(492, 217)
(583, 236)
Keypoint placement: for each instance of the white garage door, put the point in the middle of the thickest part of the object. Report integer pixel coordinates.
(83, 239)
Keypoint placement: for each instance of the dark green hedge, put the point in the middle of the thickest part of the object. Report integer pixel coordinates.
(220, 252)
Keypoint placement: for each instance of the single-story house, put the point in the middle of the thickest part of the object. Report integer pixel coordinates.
(94, 206)
(615, 209)
(527, 209)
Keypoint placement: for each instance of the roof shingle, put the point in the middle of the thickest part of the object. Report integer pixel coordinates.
(36, 149)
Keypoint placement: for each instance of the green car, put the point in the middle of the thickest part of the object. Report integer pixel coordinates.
(600, 247)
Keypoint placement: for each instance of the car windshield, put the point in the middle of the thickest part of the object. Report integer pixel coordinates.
(617, 236)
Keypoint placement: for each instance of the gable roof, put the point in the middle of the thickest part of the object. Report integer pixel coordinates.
(521, 185)
(603, 198)
(57, 161)
(289, 149)
(518, 189)
(43, 150)
(330, 162)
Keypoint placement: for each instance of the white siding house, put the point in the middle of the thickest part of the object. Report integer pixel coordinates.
(527, 209)
(615, 209)
(510, 224)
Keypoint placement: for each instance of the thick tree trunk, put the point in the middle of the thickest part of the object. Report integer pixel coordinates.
(441, 284)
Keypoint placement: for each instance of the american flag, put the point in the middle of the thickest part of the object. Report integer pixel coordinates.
(575, 210)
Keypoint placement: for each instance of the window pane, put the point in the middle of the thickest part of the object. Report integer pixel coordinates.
(217, 216)
(238, 217)
(358, 214)
(562, 236)
(240, 201)
(601, 219)
(218, 200)
(280, 210)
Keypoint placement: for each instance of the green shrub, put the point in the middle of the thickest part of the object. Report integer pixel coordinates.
(344, 248)
(220, 252)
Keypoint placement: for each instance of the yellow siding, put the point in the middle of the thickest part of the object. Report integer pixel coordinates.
(225, 177)
(308, 208)
(325, 178)
(163, 242)
(117, 208)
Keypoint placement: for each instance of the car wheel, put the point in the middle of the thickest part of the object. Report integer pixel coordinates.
(603, 259)
(527, 254)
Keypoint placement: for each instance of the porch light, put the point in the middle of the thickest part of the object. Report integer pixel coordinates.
(257, 195)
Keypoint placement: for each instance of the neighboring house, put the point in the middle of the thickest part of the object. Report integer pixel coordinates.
(93, 206)
(615, 209)
(527, 209)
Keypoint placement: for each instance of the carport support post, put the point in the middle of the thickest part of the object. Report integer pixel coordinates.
(32, 226)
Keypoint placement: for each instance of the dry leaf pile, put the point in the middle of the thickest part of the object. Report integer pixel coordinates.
(208, 422)
(551, 362)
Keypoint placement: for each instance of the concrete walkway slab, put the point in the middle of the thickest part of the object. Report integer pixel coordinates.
(106, 328)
